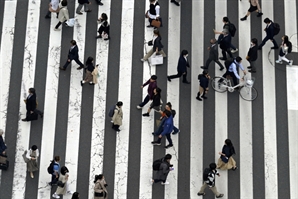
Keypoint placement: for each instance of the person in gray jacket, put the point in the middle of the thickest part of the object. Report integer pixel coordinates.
(213, 55)
(164, 169)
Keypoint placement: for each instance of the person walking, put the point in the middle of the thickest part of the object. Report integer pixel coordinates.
(232, 70)
(252, 55)
(95, 74)
(53, 7)
(3, 146)
(254, 7)
(100, 190)
(153, 13)
(224, 41)
(54, 170)
(75, 195)
(157, 46)
(63, 15)
(204, 82)
(89, 70)
(73, 54)
(181, 68)
(226, 161)
(152, 84)
(82, 3)
(32, 157)
(209, 180)
(163, 171)
(156, 102)
(62, 187)
(213, 55)
(285, 48)
(104, 29)
(117, 117)
(167, 130)
(269, 34)
(31, 104)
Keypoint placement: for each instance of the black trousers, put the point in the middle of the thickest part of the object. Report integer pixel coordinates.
(210, 60)
(235, 80)
(179, 75)
(225, 51)
(76, 60)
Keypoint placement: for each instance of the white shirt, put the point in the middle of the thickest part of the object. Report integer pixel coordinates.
(30, 152)
(232, 68)
(55, 4)
(157, 10)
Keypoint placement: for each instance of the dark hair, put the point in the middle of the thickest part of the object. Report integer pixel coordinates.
(32, 90)
(75, 195)
(238, 59)
(184, 52)
(254, 41)
(34, 147)
(212, 166)
(230, 144)
(286, 39)
(267, 20)
(119, 103)
(169, 104)
(225, 19)
(64, 170)
(57, 158)
(64, 3)
(153, 77)
(104, 16)
(98, 177)
(152, 1)
(89, 60)
(73, 42)
(156, 32)
(205, 72)
(168, 157)
(158, 90)
(168, 113)
(213, 40)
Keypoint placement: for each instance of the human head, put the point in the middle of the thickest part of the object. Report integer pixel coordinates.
(32, 90)
(225, 31)
(75, 195)
(1, 132)
(168, 113)
(34, 147)
(184, 53)
(205, 72)
(73, 42)
(213, 41)
(225, 19)
(119, 104)
(104, 16)
(57, 158)
(238, 59)
(153, 78)
(152, 1)
(285, 38)
(98, 177)
(64, 3)
(89, 60)
(212, 166)
(168, 157)
(168, 106)
(267, 20)
(64, 170)
(156, 32)
(254, 41)
(157, 90)
(228, 142)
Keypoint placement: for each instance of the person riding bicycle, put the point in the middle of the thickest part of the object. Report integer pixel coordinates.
(232, 70)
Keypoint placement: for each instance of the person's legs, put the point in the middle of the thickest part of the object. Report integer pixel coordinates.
(214, 190)
(145, 101)
(79, 8)
(233, 47)
(79, 62)
(235, 80)
(285, 59)
(207, 63)
(160, 127)
(58, 24)
(176, 130)
(162, 53)
(149, 53)
(218, 62)
(203, 187)
(175, 76)
(229, 53)
(263, 42)
(169, 139)
(86, 7)
(224, 55)
(253, 65)
(184, 77)
(66, 64)
(274, 43)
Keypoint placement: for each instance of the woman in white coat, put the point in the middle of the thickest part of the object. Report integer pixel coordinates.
(63, 14)
(32, 157)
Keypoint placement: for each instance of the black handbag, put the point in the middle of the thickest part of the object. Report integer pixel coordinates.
(60, 184)
(96, 194)
(150, 43)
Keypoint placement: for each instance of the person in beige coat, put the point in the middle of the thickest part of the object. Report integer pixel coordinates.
(95, 74)
(100, 191)
(62, 183)
(63, 14)
(117, 117)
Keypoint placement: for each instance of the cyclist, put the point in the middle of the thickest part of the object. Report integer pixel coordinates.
(232, 70)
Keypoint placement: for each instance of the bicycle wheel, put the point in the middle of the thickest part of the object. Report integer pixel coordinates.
(219, 84)
(248, 93)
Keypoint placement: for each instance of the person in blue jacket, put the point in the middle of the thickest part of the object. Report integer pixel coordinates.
(167, 129)
(181, 68)
(269, 34)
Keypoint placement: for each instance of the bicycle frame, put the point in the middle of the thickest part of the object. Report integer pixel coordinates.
(231, 88)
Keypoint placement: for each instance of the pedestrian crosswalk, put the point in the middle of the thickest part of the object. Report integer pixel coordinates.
(76, 126)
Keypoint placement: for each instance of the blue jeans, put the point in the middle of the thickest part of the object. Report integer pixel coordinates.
(160, 128)
(145, 101)
(168, 138)
(54, 179)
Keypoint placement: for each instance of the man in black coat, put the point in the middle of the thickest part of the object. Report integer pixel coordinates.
(30, 105)
(73, 54)
(224, 41)
(213, 55)
(182, 70)
(269, 34)
(252, 55)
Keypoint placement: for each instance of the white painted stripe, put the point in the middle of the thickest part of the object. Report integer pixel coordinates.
(50, 110)
(122, 138)
(291, 23)
(292, 96)
(75, 100)
(30, 48)
(145, 189)
(173, 95)
(221, 111)
(6, 48)
(245, 113)
(270, 157)
(196, 137)
(99, 107)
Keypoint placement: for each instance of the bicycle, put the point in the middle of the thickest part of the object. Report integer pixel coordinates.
(247, 91)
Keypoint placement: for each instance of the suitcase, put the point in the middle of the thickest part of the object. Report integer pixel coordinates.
(4, 163)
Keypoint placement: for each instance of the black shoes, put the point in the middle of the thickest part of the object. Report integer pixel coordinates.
(221, 58)
(156, 143)
(146, 114)
(221, 68)
(203, 67)
(169, 79)
(259, 14)
(175, 2)
(82, 83)
(243, 18)
(99, 3)
(168, 146)
(220, 196)
(81, 67)
(274, 47)
(61, 68)
(198, 98)
(24, 120)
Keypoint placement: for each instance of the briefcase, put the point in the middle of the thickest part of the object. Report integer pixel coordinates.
(155, 23)
(4, 163)
(32, 116)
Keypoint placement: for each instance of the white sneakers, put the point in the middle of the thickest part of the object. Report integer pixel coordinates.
(234, 51)
(165, 183)
(278, 62)
(290, 62)
(55, 195)
(56, 29)
(151, 181)
(138, 107)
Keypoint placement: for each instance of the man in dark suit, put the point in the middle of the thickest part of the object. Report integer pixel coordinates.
(224, 41)
(182, 70)
(73, 54)
(252, 55)
(269, 34)
(30, 105)
(213, 55)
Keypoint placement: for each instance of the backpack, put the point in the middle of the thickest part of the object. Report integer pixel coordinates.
(156, 164)
(111, 111)
(289, 44)
(206, 173)
(51, 167)
(276, 28)
(228, 63)
(232, 29)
